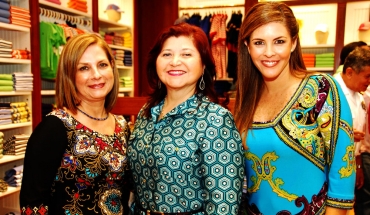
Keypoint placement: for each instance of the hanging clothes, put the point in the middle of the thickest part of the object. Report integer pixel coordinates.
(218, 37)
(232, 35)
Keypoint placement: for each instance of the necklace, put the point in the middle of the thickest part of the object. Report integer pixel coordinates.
(91, 117)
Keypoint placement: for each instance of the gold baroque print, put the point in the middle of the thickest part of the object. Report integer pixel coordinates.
(350, 160)
(264, 171)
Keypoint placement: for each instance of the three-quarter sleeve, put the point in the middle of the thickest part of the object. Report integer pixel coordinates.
(335, 122)
(222, 164)
(43, 157)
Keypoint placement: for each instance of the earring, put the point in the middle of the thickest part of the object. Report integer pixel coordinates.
(159, 85)
(202, 85)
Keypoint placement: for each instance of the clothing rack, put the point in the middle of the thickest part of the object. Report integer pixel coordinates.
(61, 16)
(211, 7)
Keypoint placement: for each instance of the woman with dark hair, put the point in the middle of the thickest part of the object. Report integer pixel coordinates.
(296, 125)
(75, 161)
(185, 152)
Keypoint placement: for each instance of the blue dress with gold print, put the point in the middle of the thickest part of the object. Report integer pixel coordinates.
(303, 160)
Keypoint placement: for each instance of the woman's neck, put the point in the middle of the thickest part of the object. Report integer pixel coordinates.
(174, 98)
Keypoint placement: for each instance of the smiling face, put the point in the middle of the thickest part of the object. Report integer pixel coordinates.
(94, 76)
(270, 47)
(179, 65)
(357, 82)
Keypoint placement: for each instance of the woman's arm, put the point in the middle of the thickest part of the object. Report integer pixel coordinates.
(44, 152)
(223, 158)
(335, 211)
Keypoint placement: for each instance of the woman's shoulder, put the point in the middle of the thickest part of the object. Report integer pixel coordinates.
(320, 76)
(213, 107)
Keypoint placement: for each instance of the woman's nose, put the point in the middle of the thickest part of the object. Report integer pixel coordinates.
(96, 73)
(175, 61)
(269, 51)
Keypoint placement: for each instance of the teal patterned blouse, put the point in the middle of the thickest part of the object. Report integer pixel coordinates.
(192, 158)
(307, 162)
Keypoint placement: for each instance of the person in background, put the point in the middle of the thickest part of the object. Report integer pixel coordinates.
(355, 80)
(75, 161)
(296, 125)
(346, 50)
(185, 152)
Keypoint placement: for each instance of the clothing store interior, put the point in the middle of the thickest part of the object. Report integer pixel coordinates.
(30, 29)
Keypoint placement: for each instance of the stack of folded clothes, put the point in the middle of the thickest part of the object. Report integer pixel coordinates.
(55, 1)
(118, 56)
(13, 177)
(80, 5)
(324, 60)
(6, 48)
(127, 59)
(20, 16)
(126, 82)
(21, 54)
(309, 59)
(127, 39)
(1, 144)
(19, 111)
(16, 145)
(4, 11)
(22, 81)
(6, 82)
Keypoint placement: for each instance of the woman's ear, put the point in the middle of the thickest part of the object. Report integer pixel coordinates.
(294, 44)
(246, 44)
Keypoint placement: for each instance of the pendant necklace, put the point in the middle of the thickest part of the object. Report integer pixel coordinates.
(94, 118)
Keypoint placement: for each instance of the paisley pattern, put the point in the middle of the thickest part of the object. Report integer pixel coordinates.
(92, 172)
(190, 159)
(309, 141)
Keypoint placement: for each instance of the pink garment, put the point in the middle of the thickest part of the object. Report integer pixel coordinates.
(55, 1)
(218, 36)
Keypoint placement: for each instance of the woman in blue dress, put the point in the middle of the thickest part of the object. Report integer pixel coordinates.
(296, 125)
(185, 152)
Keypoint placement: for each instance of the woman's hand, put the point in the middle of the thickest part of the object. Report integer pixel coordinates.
(358, 135)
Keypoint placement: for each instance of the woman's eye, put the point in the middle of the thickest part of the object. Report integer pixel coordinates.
(83, 68)
(166, 54)
(280, 41)
(258, 43)
(187, 54)
(103, 65)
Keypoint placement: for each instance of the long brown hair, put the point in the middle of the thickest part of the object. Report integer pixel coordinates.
(201, 43)
(250, 81)
(65, 88)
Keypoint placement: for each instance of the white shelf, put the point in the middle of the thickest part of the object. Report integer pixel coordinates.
(15, 125)
(124, 67)
(14, 27)
(15, 61)
(10, 158)
(328, 69)
(15, 93)
(48, 92)
(120, 47)
(10, 190)
(318, 46)
(63, 9)
(108, 25)
(125, 89)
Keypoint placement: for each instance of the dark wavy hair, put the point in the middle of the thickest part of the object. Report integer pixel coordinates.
(201, 43)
